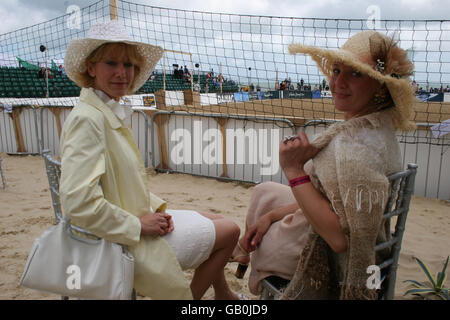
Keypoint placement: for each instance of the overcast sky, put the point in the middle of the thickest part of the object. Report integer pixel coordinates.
(431, 45)
(16, 14)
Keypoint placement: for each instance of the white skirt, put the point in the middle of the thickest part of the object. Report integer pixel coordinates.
(192, 239)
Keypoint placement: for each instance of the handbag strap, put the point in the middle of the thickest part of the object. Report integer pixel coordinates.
(68, 228)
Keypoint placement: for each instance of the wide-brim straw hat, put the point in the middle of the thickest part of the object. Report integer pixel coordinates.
(111, 32)
(391, 67)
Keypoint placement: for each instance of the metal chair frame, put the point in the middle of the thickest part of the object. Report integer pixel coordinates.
(402, 188)
(53, 169)
(2, 174)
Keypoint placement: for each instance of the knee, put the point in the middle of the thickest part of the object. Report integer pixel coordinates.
(227, 232)
(264, 187)
(234, 231)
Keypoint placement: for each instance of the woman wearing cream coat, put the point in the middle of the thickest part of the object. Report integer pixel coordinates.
(104, 185)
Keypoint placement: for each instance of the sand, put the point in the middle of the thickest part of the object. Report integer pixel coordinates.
(25, 212)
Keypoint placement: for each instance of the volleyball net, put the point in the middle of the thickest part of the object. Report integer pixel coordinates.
(224, 66)
(242, 57)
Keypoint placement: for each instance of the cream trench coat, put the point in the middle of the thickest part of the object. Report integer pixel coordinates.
(103, 189)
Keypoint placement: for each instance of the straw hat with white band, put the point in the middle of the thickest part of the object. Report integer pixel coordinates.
(111, 32)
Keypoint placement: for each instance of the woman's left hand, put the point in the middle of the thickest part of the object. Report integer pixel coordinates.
(294, 153)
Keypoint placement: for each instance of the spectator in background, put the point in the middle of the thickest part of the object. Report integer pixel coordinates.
(41, 73)
(415, 86)
(50, 74)
(315, 88)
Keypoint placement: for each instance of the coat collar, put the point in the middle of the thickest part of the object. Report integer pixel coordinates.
(89, 97)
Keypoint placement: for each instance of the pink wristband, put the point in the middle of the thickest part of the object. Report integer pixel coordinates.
(299, 181)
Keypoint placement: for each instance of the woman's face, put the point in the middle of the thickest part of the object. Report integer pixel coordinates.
(113, 74)
(352, 91)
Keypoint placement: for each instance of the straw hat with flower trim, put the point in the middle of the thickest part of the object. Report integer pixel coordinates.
(391, 67)
(79, 49)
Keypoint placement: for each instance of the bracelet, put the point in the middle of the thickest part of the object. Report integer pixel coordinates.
(299, 181)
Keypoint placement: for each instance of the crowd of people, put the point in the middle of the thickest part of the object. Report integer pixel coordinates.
(51, 73)
(181, 73)
(287, 84)
(429, 89)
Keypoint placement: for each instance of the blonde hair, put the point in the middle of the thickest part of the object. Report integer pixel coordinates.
(113, 49)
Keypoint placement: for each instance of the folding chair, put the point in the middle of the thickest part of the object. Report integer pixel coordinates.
(2, 174)
(53, 168)
(402, 188)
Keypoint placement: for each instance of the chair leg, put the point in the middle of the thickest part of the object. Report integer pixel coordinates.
(2, 174)
(265, 294)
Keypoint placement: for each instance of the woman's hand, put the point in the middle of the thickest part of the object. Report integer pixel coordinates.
(255, 233)
(158, 223)
(294, 153)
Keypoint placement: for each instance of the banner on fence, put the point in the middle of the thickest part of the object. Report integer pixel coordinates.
(225, 97)
(431, 97)
(297, 94)
(149, 100)
(240, 96)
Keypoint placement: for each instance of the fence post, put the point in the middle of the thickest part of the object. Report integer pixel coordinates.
(17, 129)
(222, 125)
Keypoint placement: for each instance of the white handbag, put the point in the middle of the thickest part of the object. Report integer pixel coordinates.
(62, 263)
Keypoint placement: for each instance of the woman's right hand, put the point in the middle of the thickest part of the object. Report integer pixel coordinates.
(153, 224)
(255, 233)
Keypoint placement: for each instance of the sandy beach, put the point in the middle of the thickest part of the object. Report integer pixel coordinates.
(25, 212)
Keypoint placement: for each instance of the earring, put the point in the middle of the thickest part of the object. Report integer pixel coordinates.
(380, 97)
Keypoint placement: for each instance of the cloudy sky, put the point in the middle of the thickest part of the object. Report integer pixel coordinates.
(262, 50)
(16, 14)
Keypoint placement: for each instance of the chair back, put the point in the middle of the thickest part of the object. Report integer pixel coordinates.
(402, 188)
(53, 169)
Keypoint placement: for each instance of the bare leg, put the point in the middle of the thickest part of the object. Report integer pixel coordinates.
(211, 272)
